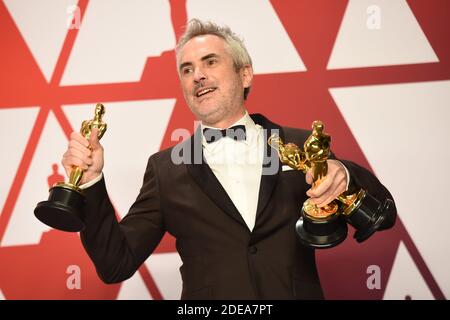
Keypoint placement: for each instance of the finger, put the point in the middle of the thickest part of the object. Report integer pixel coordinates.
(341, 188)
(323, 191)
(336, 174)
(318, 200)
(327, 200)
(323, 201)
(75, 145)
(334, 180)
(322, 187)
(93, 139)
(74, 161)
(309, 177)
(78, 137)
(83, 155)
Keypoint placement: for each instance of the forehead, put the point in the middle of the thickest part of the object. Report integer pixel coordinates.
(200, 46)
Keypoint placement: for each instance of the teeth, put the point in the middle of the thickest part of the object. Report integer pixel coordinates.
(200, 93)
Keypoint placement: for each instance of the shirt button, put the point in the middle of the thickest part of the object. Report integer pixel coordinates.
(252, 249)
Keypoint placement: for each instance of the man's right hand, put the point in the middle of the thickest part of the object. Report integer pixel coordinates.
(84, 153)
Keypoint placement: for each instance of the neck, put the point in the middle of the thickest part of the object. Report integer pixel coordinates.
(226, 123)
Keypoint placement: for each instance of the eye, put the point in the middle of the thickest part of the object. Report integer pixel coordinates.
(211, 61)
(186, 70)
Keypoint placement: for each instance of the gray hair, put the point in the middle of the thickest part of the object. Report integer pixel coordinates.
(236, 46)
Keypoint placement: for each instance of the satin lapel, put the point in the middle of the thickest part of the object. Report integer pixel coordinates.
(207, 181)
(271, 163)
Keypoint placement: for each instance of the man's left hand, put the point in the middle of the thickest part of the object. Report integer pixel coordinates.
(331, 187)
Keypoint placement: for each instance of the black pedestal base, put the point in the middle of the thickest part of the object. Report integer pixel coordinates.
(368, 217)
(63, 210)
(321, 234)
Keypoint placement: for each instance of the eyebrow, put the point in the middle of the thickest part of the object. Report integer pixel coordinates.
(208, 56)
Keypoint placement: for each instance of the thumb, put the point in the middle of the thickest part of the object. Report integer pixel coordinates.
(93, 139)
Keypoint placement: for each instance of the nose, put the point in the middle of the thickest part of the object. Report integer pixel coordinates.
(199, 75)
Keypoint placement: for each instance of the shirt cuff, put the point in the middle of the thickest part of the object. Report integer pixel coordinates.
(348, 175)
(93, 181)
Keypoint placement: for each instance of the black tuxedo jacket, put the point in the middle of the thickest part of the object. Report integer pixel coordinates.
(221, 258)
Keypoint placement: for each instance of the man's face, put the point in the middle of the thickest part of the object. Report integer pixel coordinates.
(212, 87)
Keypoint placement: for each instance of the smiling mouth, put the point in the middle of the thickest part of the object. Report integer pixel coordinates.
(204, 91)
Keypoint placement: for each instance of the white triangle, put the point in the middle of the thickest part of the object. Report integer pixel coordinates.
(396, 38)
(115, 40)
(43, 26)
(405, 280)
(23, 227)
(164, 268)
(403, 130)
(2, 297)
(134, 289)
(13, 140)
(259, 25)
(135, 131)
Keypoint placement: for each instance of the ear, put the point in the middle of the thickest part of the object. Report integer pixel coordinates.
(246, 75)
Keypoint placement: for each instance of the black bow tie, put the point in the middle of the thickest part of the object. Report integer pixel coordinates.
(235, 133)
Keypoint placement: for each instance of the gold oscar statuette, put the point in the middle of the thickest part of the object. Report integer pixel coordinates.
(63, 209)
(325, 227)
(86, 130)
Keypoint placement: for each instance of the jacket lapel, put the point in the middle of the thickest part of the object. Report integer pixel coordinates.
(271, 162)
(207, 181)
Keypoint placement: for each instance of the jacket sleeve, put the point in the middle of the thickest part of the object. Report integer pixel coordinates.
(361, 178)
(118, 249)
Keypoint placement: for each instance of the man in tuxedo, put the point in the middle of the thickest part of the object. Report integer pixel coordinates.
(222, 193)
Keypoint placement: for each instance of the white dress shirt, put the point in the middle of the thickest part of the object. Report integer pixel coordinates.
(238, 166)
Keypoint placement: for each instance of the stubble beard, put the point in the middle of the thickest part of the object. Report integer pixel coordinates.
(224, 106)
